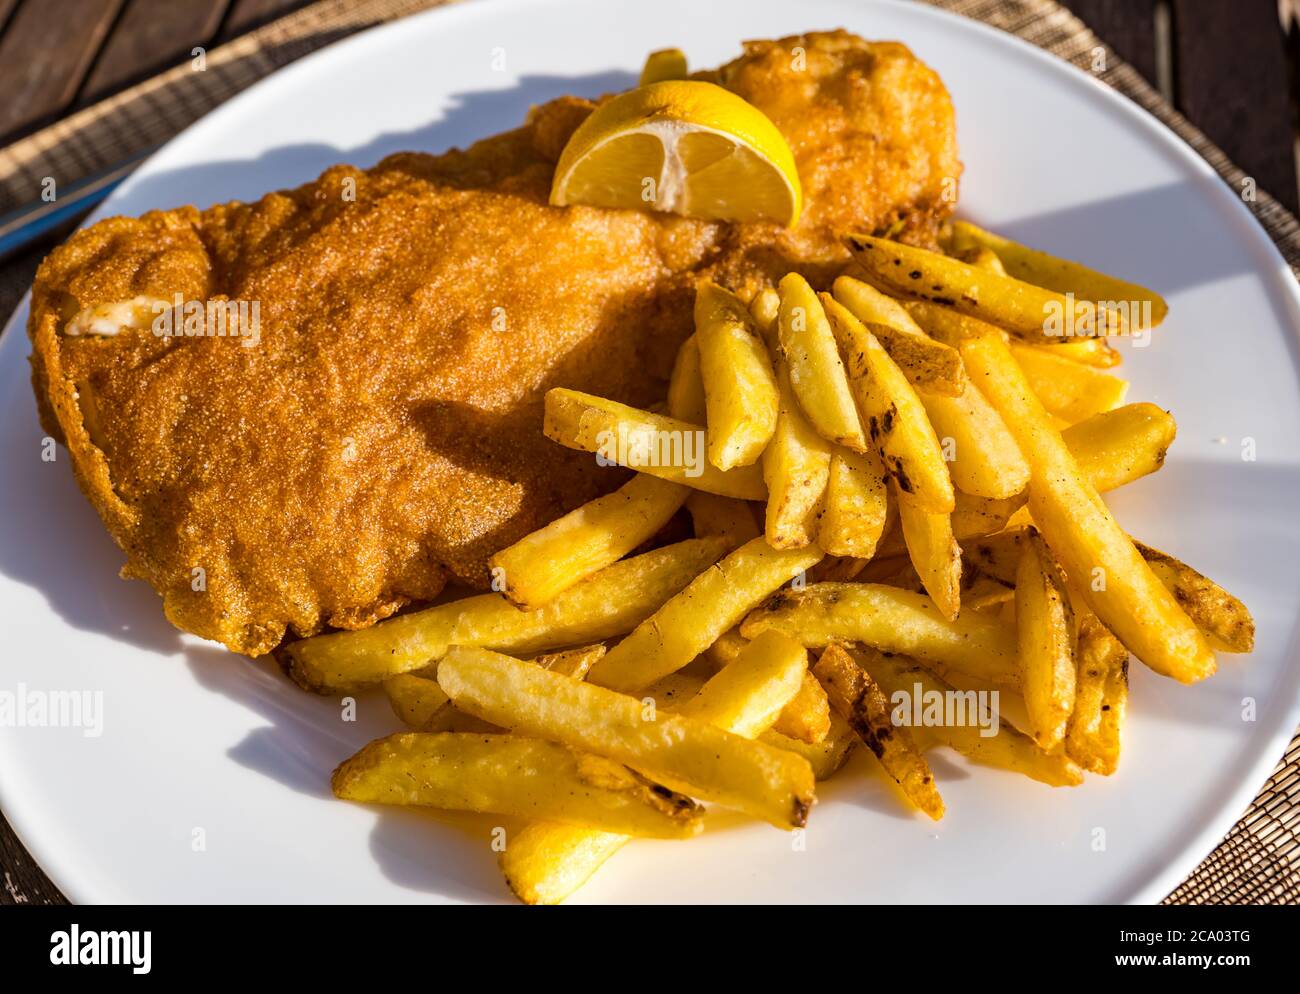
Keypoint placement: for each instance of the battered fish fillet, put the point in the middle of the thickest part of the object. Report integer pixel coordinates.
(383, 435)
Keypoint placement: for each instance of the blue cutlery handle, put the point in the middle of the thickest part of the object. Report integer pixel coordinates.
(27, 224)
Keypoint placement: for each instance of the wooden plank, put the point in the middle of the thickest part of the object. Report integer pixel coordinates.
(1231, 73)
(245, 15)
(1291, 28)
(45, 53)
(1127, 26)
(6, 8)
(151, 35)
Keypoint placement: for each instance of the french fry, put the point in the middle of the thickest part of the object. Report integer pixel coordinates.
(895, 570)
(982, 515)
(725, 648)
(663, 64)
(1061, 275)
(463, 723)
(891, 620)
(978, 589)
(807, 717)
(817, 374)
(508, 775)
(609, 603)
(1068, 389)
(1047, 638)
(930, 366)
(1091, 740)
(859, 700)
(1096, 352)
(1114, 708)
(686, 385)
(840, 567)
(573, 663)
(1114, 578)
(1224, 619)
(1029, 311)
(825, 757)
(713, 515)
(1221, 617)
(796, 469)
(552, 559)
(422, 706)
(1008, 702)
(979, 256)
(1117, 447)
(981, 592)
(971, 517)
(547, 862)
(934, 553)
(1008, 749)
(945, 324)
(899, 428)
(870, 306)
(672, 691)
(983, 459)
(997, 555)
(419, 702)
(855, 506)
(652, 443)
(1090, 351)
(1113, 449)
(751, 693)
(766, 311)
(739, 387)
(678, 751)
(690, 622)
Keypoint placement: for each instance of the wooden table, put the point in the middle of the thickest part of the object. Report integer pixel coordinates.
(59, 55)
(1228, 65)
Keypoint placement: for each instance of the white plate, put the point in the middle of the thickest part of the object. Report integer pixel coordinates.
(202, 746)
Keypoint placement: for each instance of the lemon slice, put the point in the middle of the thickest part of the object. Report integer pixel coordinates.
(682, 146)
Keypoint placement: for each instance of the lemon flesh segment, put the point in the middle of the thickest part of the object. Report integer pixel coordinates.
(623, 172)
(685, 147)
(730, 182)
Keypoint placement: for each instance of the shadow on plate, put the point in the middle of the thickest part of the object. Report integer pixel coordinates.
(471, 116)
(447, 853)
(306, 736)
(1249, 509)
(52, 541)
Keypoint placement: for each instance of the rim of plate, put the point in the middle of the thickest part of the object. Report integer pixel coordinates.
(1161, 879)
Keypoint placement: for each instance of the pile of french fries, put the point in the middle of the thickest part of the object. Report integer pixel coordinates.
(902, 475)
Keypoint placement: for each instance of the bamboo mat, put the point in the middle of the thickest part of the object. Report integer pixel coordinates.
(1259, 860)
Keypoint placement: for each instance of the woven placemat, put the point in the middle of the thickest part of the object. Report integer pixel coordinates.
(1259, 860)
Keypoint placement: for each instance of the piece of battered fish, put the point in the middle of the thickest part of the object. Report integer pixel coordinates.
(374, 430)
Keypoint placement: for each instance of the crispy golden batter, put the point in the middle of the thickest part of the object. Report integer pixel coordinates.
(874, 139)
(384, 434)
